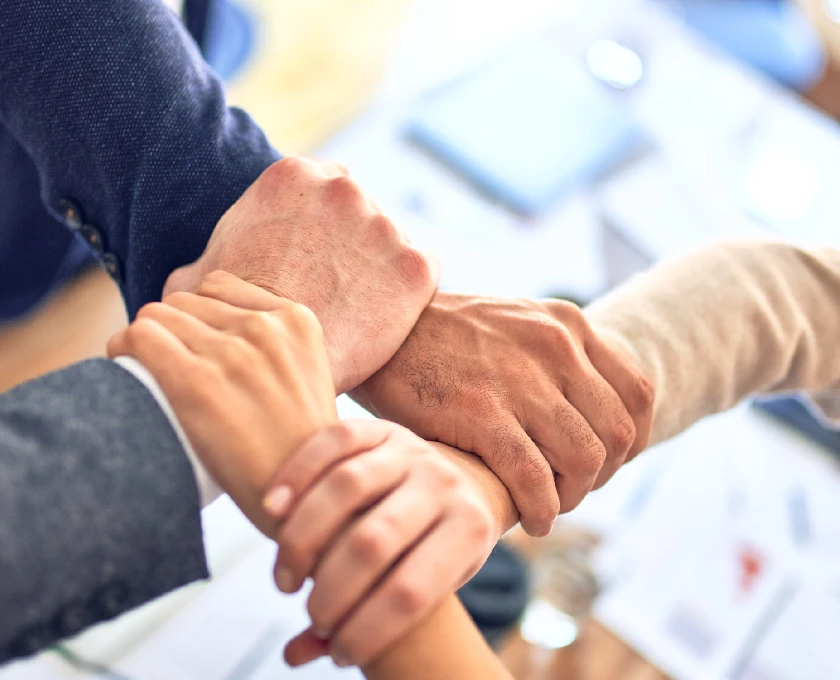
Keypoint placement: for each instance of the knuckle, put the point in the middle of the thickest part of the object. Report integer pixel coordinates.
(482, 400)
(141, 331)
(381, 228)
(236, 359)
(259, 327)
(407, 598)
(413, 267)
(212, 281)
(304, 320)
(343, 435)
(533, 469)
(446, 476)
(177, 298)
(623, 435)
(211, 378)
(643, 393)
(562, 341)
(147, 311)
(348, 480)
(479, 521)
(370, 542)
(572, 315)
(283, 170)
(592, 458)
(342, 190)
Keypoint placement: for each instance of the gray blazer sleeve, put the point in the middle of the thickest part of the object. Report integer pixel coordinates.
(99, 510)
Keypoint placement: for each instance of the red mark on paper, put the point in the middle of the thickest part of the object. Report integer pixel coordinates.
(752, 565)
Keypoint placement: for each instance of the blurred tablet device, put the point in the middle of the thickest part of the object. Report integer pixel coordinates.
(527, 127)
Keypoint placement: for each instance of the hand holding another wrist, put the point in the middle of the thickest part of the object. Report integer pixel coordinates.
(248, 387)
(305, 231)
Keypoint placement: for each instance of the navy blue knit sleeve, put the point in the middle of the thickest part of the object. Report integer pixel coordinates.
(135, 146)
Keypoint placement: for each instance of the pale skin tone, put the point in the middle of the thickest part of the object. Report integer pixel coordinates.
(524, 385)
(527, 386)
(243, 368)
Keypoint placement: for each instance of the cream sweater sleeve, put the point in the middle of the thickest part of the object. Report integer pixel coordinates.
(725, 322)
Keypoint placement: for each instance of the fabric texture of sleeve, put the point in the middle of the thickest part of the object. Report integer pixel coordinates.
(135, 147)
(99, 508)
(734, 319)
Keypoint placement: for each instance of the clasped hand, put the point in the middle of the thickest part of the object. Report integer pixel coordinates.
(382, 521)
(527, 386)
(328, 296)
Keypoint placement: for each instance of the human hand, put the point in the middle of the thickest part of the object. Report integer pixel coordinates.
(305, 231)
(248, 387)
(528, 386)
(387, 527)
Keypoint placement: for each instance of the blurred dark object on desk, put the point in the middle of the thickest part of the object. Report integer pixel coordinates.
(496, 596)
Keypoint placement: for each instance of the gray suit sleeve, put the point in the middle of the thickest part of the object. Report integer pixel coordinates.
(99, 509)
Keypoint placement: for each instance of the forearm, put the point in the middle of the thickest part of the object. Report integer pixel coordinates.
(711, 328)
(98, 505)
(446, 646)
(708, 330)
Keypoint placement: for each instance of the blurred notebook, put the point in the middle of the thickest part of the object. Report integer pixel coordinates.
(527, 128)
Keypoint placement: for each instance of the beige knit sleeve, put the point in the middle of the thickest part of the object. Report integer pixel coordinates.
(728, 321)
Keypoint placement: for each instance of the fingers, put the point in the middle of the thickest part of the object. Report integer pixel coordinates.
(408, 594)
(225, 287)
(368, 550)
(304, 648)
(328, 508)
(325, 448)
(156, 348)
(192, 332)
(523, 469)
(632, 386)
(604, 411)
(583, 456)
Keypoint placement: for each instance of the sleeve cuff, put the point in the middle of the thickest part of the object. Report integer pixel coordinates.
(208, 489)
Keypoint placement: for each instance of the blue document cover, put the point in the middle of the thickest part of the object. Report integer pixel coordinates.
(527, 127)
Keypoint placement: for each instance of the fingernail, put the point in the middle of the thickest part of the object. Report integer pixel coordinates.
(321, 633)
(340, 658)
(285, 580)
(277, 501)
(550, 529)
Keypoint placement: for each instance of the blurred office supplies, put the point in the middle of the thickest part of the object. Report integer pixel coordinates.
(800, 639)
(527, 127)
(733, 531)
